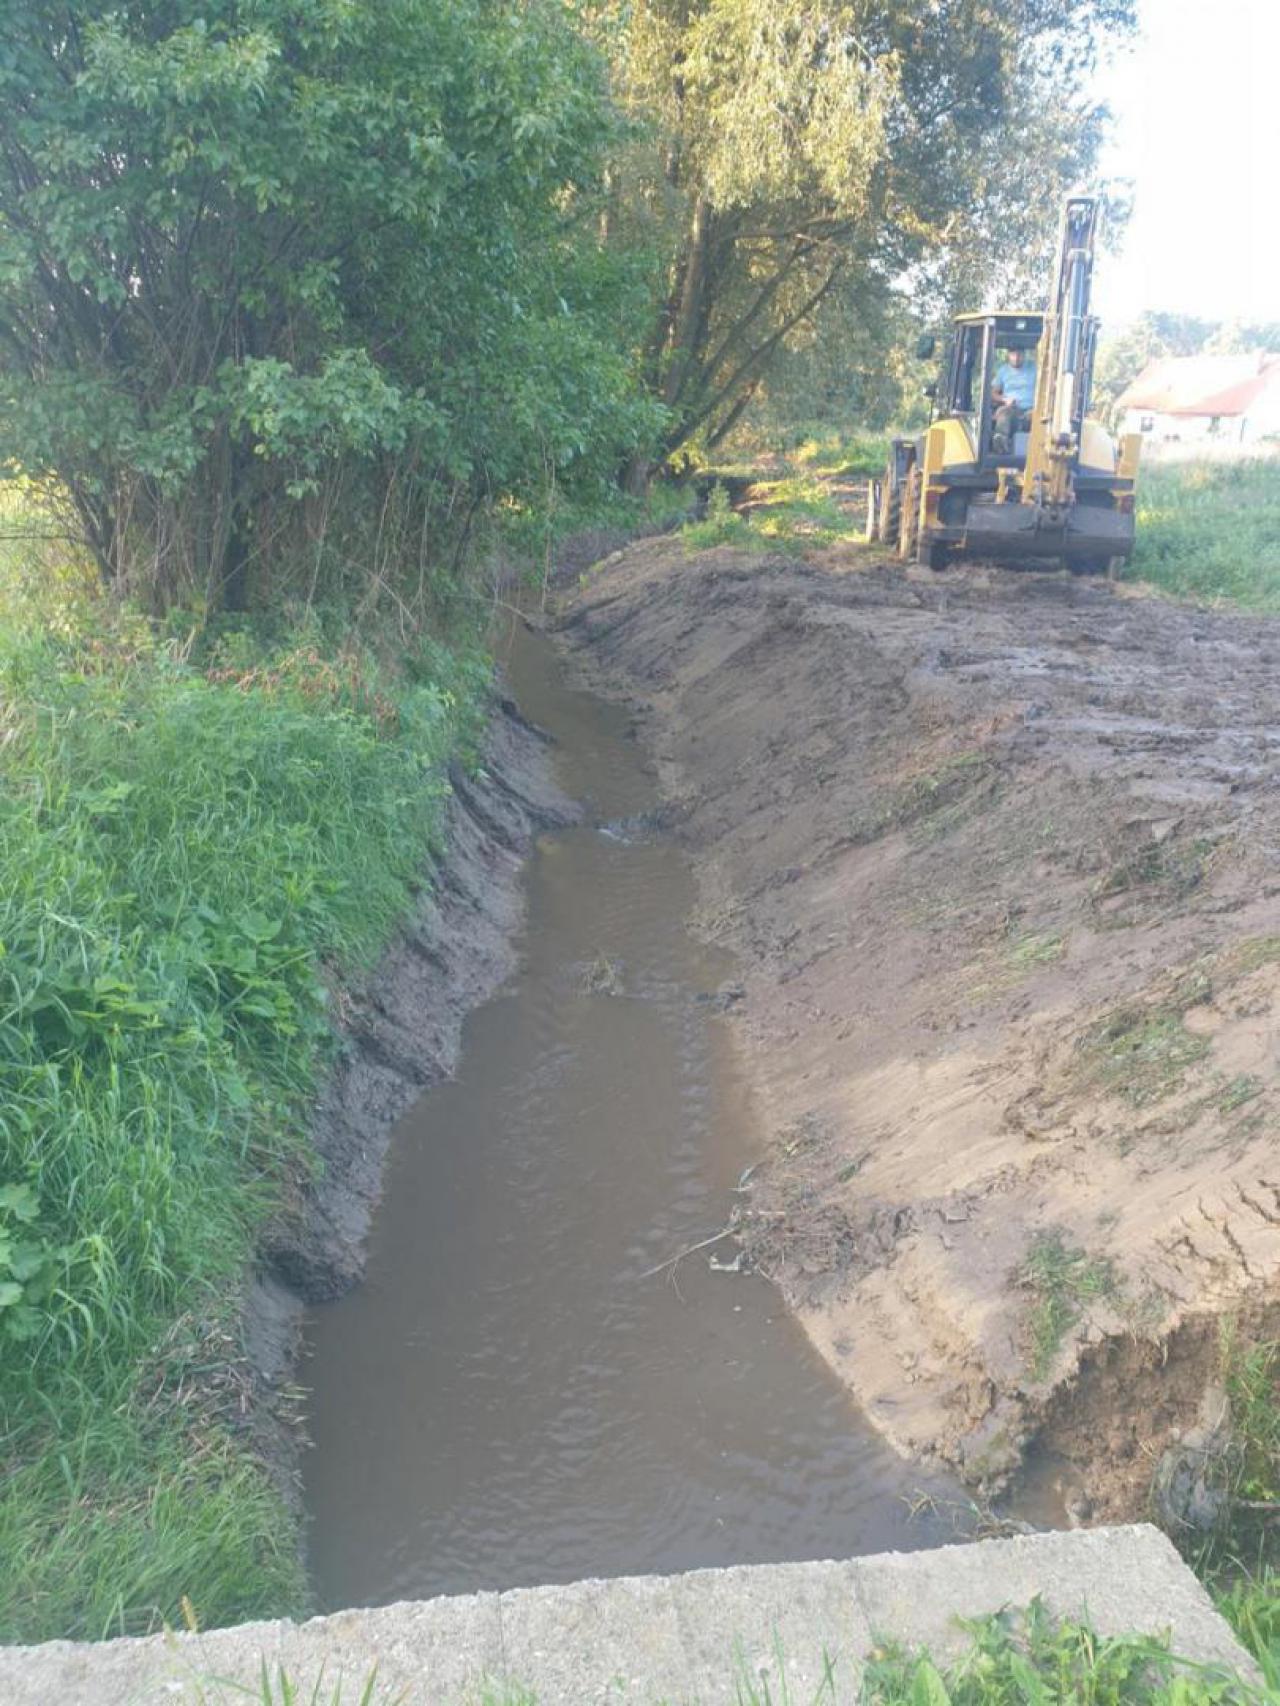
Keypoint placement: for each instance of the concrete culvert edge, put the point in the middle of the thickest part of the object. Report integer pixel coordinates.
(807, 1628)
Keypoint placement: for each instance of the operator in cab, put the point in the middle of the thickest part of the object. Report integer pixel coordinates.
(1013, 393)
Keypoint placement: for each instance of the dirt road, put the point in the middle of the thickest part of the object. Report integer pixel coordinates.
(998, 855)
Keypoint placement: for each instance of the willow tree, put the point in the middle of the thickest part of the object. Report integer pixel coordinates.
(790, 148)
(289, 287)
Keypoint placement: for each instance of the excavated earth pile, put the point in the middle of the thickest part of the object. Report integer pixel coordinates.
(998, 854)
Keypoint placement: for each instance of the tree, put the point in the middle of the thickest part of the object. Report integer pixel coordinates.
(793, 150)
(291, 287)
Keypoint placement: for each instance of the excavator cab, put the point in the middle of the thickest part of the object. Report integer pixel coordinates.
(980, 348)
(1054, 489)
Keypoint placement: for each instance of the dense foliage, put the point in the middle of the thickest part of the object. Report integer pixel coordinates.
(192, 850)
(289, 288)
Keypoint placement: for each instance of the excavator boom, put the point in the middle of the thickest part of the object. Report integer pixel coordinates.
(1064, 361)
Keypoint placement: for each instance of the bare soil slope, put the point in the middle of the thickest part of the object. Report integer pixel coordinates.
(998, 854)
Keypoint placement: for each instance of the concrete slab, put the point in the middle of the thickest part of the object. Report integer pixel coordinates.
(595, 1641)
(1124, 1580)
(678, 1640)
(442, 1648)
(789, 1632)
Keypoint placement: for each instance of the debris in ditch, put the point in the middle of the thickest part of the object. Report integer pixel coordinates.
(1188, 1489)
(692, 1249)
(736, 1266)
(602, 976)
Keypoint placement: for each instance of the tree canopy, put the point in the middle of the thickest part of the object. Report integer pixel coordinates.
(793, 153)
(266, 265)
(291, 291)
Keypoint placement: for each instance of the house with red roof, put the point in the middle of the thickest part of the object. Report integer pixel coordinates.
(1229, 399)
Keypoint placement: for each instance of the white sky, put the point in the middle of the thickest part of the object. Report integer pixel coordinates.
(1197, 130)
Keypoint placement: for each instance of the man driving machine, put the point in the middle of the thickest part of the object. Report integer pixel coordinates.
(1013, 392)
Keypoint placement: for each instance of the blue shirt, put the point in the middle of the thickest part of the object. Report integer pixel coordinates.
(1017, 383)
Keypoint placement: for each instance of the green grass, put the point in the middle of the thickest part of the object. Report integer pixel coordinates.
(1032, 1659)
(1142, 1054)
(1035, 948)
(1062, 1280)
(790, 515)
(1239, 1559)
(1170, 869)
(1210, 531)
(1251, 1604)
(935, 802)
(531, 533)
(841, 454)
(190, 854)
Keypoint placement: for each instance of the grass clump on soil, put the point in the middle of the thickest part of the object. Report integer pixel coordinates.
(1210, 530)
(1035, 948)
(190, 850)
(1030, 1657)
(720, 525)
(1174, 869)
(1063, 1280)
(937, 801)
(790, 515)
(1142, 1054)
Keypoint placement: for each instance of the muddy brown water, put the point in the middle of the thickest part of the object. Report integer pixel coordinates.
(508, 1399)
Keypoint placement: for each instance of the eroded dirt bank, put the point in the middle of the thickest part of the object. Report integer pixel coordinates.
(999, 855)
(401, 1032)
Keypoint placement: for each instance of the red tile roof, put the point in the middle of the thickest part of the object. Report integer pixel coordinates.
(1202, 384)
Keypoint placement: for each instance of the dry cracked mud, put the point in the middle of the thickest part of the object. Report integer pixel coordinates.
(998, 856)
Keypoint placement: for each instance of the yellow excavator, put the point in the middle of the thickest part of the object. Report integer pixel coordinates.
(1039, 487)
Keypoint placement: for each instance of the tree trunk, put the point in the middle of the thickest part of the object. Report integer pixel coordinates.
(684, 333)
(636, 476)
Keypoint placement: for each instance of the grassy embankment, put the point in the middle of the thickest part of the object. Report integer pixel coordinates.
(194, 843)
(1211, 531)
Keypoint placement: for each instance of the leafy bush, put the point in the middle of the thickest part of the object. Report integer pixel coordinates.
(1030, 1657)
(387, 208)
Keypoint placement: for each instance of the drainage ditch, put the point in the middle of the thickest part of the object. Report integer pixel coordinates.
(521, 1391)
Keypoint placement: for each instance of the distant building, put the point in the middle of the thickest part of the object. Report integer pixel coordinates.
(1230, 399)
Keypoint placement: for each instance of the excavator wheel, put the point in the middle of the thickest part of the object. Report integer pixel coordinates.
(936, 556)
(1090, 565)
